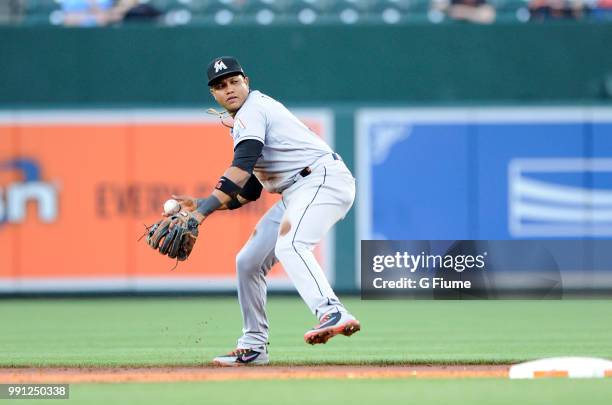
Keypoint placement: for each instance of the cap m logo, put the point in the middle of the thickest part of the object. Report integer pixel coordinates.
(219, 65)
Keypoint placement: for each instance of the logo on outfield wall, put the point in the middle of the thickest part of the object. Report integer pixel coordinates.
(560, 197)
(144, 199)
(15, 196)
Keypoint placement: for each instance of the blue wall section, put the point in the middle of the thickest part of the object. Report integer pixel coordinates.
(423, 177)
(451, 180)
(497, 144)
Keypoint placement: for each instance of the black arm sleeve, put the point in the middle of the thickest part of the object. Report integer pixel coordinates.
(246, 154)
(251, 190)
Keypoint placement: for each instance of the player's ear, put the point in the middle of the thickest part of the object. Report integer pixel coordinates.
(246, 80)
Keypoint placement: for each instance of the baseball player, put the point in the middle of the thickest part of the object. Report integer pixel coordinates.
(275, 151)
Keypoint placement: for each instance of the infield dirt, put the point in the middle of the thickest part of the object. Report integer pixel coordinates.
(209, 373)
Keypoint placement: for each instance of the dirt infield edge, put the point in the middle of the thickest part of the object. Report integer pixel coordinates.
(67, 375)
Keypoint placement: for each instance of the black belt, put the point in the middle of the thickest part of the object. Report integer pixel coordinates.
(307, 170)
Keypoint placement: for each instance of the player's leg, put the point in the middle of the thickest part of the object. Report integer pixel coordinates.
(313, 206)
(253, 262)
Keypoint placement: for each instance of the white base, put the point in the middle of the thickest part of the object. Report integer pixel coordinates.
(570, 367)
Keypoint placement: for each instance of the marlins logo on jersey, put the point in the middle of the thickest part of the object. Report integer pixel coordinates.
(237, 127)
(239, 124)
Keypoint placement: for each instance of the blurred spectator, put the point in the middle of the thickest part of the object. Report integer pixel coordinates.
(134, 10)
(476, 11)
(88, 13)
(557, 9)
(10, 11)
(602, 9)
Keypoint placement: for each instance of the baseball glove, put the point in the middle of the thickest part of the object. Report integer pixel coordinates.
(175, 236)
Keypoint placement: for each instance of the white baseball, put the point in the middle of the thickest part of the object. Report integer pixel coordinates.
(171, 207)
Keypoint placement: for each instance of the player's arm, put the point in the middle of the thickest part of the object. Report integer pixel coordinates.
(249, 193)
(230, 187)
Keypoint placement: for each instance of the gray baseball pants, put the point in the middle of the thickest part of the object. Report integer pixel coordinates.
(288, 233)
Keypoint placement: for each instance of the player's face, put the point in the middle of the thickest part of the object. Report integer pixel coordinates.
(231, 92)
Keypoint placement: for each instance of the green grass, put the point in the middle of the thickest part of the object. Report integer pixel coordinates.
(297, 392)
(104, 332)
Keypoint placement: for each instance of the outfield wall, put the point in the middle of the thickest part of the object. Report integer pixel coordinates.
(484, 173)
(89, 179)
(77, 187)
(568, 61)
(493, 174)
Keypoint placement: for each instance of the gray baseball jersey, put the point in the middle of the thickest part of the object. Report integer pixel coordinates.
(289, 145)
(291, 228)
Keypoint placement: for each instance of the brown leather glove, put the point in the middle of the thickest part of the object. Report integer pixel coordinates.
(175, 236)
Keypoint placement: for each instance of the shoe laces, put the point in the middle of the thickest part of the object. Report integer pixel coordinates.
(239, 352)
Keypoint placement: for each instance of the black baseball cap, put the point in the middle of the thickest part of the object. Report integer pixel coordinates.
(221, 67)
